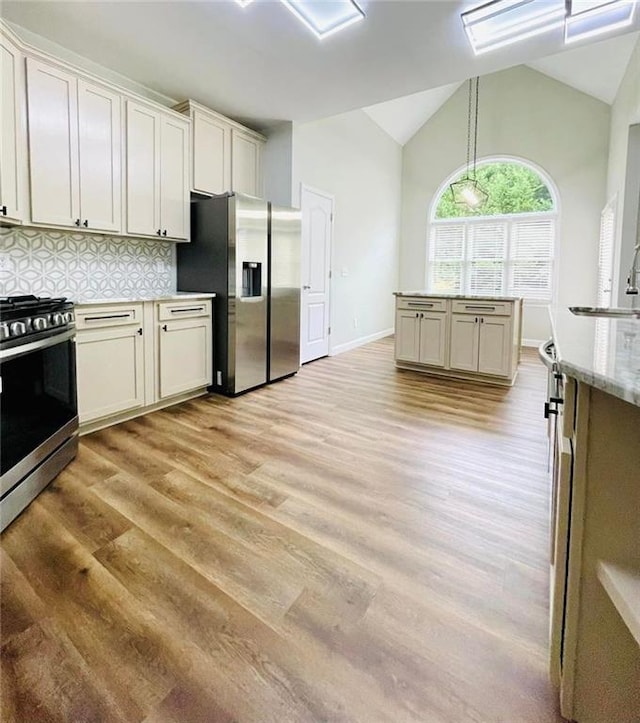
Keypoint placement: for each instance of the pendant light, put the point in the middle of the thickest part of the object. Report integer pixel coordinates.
(467, 191)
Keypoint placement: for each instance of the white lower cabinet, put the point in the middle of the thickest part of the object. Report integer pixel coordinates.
(110, 367)
(141, 356)
(422, 337)
(184, 348)
(465, 338)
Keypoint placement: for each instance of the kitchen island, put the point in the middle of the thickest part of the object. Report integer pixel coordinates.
(468, 337)
(595, 631)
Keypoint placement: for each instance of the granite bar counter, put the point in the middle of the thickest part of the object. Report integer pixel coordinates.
(601, 352)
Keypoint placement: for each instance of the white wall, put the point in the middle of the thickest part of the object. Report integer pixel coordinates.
(277, 163)
(350, 157)
(624, 171)
(525, 114)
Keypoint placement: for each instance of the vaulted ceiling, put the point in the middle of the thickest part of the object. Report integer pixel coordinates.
(260, 65)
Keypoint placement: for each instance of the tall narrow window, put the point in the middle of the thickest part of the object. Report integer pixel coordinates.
(505, 248)
(605, 252)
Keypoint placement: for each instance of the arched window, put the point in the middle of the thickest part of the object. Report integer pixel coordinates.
(507, 247)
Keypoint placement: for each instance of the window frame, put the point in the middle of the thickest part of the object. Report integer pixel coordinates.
(508, 219)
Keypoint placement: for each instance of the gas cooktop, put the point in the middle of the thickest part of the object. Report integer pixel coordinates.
(22, 316)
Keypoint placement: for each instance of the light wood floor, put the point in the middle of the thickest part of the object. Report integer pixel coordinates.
(353, 544)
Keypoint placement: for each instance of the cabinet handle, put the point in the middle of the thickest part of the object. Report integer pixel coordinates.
(479, 308)
(548, 411)
(103, 318)
(476, 321)
(140, 331)
(4, 210)
(159, 232)
(482, 319)
(77, 222)
(164, 233)
(191, 308)
(420, 304)
(164, 327)
(85, 223)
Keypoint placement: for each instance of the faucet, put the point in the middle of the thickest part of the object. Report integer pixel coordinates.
(634, 273)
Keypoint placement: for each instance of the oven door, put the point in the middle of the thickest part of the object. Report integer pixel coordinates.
(39, 410)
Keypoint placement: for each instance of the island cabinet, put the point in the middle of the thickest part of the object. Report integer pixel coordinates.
(226, 156)
(461, 337)
(133, 357)
(421, 331)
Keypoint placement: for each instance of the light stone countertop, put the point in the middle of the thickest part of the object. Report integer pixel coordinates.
(601, 352)
(456, 296)
(178, 296)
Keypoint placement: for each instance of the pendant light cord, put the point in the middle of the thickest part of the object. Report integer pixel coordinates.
(469, 127)
(475, 130)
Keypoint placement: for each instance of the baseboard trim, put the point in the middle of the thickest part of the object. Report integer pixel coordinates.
(533, 342)
(340, 348)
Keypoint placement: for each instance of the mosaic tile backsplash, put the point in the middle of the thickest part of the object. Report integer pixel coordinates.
(84, 266)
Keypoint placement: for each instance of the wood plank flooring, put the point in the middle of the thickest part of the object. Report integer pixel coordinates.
(356, 543)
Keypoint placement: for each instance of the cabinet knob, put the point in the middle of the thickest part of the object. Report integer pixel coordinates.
(164, 327)
(159, 232)
(140, 331)
(3, 210)
(77, 222)
(164, 233)
(85, 223)
(476, 321)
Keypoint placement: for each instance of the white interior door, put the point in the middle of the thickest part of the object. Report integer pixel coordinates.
(317, 227)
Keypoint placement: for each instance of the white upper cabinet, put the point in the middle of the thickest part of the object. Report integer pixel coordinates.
(174, 177)
(12, 133)
(211, 154)
(143, 174)
(74, 150)
(226, 156)
(99, 133)
(157, 173)
(53, 145)
(246, 163)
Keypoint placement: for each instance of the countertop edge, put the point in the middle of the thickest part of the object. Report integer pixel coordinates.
(456, 296)
(140, 299)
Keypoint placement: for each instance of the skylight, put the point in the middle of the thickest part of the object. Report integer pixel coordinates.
(589, 18)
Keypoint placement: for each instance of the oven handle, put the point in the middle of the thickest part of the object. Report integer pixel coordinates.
(17, 351)
(545, 355)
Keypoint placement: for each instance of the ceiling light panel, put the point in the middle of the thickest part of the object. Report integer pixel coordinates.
(503, 22)
(244, 3)
(588, 18)
(325, 17)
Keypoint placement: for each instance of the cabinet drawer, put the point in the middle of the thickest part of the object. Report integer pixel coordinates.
(99, 317)
(420, 303)
(482, 307)
(168, 310)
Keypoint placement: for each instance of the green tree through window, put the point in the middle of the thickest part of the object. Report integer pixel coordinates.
(512, 188)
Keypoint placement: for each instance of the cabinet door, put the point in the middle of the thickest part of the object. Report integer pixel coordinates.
(246, 162)
(433, 338)
(110, 369)
(495, 346)
(407, 336)
(185, 356)
(211, 154)
(464, 342)
(143, 172)
(99, 133)
(53, 144)
(12, 138)
(174, 178)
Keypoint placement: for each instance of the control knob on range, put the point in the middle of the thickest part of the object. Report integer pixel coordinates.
(18, 328)
(68, 317)
(39, 323)
(57, 319)
(4, 331)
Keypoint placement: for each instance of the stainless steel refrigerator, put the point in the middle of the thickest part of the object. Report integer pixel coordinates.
(248, 253)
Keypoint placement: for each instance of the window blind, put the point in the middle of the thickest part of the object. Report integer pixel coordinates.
(512, 255)
(605, 253)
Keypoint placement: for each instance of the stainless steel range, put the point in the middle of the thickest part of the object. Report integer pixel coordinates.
(38, 406)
